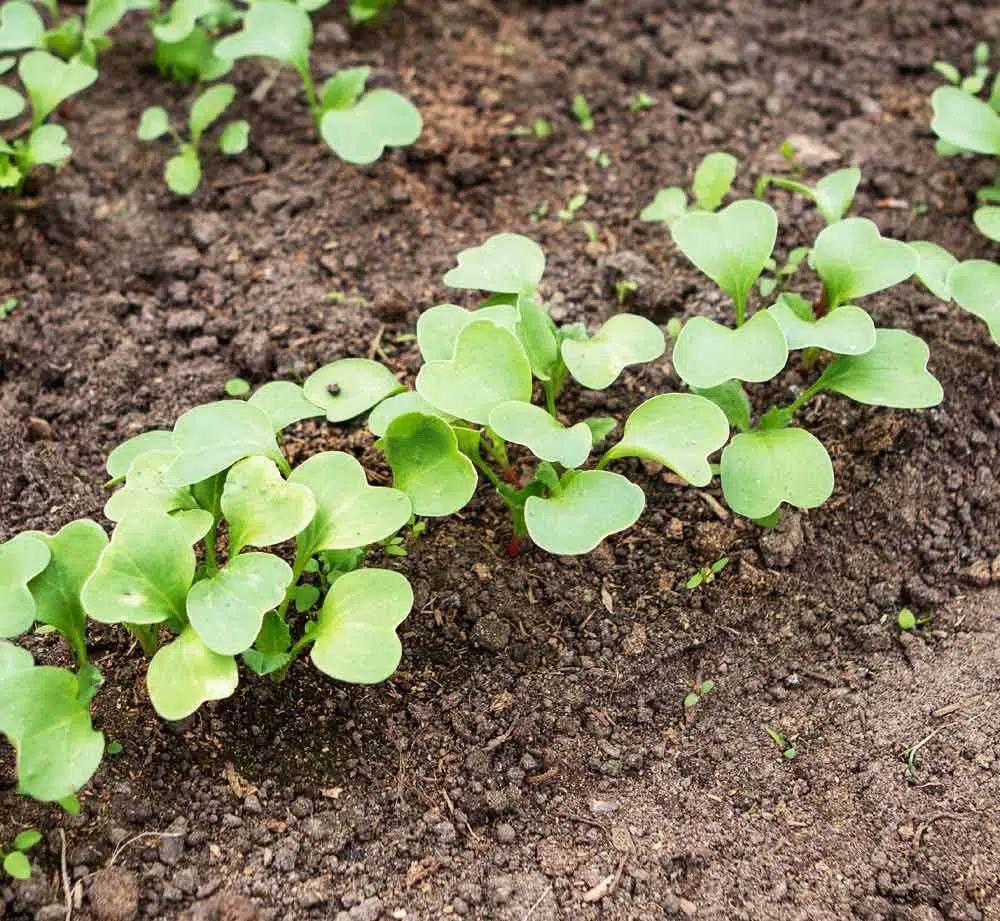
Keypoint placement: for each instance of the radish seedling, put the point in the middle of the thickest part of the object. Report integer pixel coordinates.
(15, 862)
(691, 700)
(22, 28)
(707, 573)
(786, 748)
(355, 124)
(581, 111)
(368, 11)
(183, 171)
(185, 47)
(712, 181)
(832, 195)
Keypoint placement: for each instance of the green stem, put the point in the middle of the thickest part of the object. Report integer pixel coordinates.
(307, 79)
(211, 562)
(297, 568)
(282, 673)
(550, 398)
(741, 310)
(806, 394)
(147, 635)
(485, 469)
(498, 449)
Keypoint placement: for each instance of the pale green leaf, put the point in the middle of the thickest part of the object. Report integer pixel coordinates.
(185, 674)
(21, 560)
(732, 399)
(154, 123)
(388, 410)
(50, 82)
(271, 29)
(208, 107)
(834, 193)
(148, 489)
(537, 334)
(47, 146)
(848, 330)
(182, 173)
(713, 179)
(439, 326)
(965, 121)
(284, 403)
(20, 27)
(349, 387)
(546, 437)
(380, 119)
(11, 103)
(17, 866)
(625, 339)
(975, 285)
(668, 206)
(935, 262)
(343, 89)
(708, 354)
(987, 219)
(234, 138)
(506, 263)
(120, 459)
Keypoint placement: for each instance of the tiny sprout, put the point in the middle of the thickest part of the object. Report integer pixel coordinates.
(590, 230)
(641, 102)
(541, 128)
(237, 387)
(707, 573)
(785, 747)
(907, 620)
(114, 747)
(598, 156)
(787, 151)
(701, 688)
(7, 307)
(540, 211)
(582, 112)
(16, 863)
(572, 206)
(624, 288)
(674, 326)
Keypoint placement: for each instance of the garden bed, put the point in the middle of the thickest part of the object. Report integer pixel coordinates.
(532, 757)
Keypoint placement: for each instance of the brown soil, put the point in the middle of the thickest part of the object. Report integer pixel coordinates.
(532, 759)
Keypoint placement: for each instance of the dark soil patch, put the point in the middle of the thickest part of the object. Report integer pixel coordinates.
(520, 778)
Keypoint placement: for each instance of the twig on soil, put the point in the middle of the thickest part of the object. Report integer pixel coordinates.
(925, 825)
(65, 876)
(500, 739)
(606, 886)
(538, 902)
(146, 834)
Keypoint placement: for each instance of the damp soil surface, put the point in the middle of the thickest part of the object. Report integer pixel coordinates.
(532, 758)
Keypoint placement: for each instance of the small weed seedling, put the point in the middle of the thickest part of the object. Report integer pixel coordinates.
(541, 128)
(15, 862)
(964, 123)
(7, 307)
(355, 124)
(581, 111)
(624, 289)
(707, 573)
(48, 82)
(641, 102)
(712, 181)
(907, 620)
(183, 171)
(598, 157)
(784, 746)
(22, 28)
(237, 387)
(572, 206)
(693, 698)
(368, 12)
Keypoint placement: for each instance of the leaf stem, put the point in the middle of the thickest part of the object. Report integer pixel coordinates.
(211, 561)
(282, 673)
(301, 559)
(550, 398)
(147, 635)
(485, 469)
(806, 394)
(307, 80)
(741, 310)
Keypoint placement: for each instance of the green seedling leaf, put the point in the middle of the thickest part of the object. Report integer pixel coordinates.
(228, 608)
(11, 103)
(344, 88)
(208, 107)
(537, 333)
(212, 437)
(388, 410)
(360, 134)
(305, 597)
(975, 285)
(713, 179)
(590, 506)
(261, 508)
(600, 427)
(17, 866)
(349, 512)
(271, 29)
(21, 560)
(848, 330)
(349, 387)
(669, 206)
(121, 458)
(489, 368)
(438, 327)
(143, 575)
(731, 247)
(148, 489)
(27, 839)
(935, 262)
(708, 354)
(20, 27)
(185, 674)
(235, 138)
(506, 263)
(965, 121)
(732, 399)
(284, 403)
(13, 659)
(854, 260)
(356, 632)
(906, 619)
(625, 339)
(987, 219)
(949, 71)
(546, 438)
(101, 17)
(182, 173)
(74, 552)
(47, 146)
(180, 20)
(50, 82)
(42, 716)
(677, 430)
(894, 373)
(834, 193)
(428, 465)
(762, 469)
(237, 387)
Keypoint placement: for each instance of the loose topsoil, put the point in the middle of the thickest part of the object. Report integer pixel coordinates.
(532, 758)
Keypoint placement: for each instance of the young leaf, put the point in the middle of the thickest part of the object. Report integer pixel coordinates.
(730, 247)
(214, 436)
(47, 146)
(349, 387)
(438, 327)
(185, 674)
(834, 193)
(155, 123)
(732, 399)
(590, 506)
(182, 173)
(360, 134)
(143, 575)
(180, 20)
(20, 27)
(848, 330)
(148, 489)
(975, 285)
(11, 103)
(101, 17)
(678, 430)
(987, 219)
(708, 354)
(284, 403)
(537, 333)
(427, 464)
(349, 512)
(13, 659)
(713, 179)
(342, 90)
(356, 632)
(547, 438)
(489, 367)
(854, 260)
(935, 262)
(42, 716)
(21, 560)
(120, 459)
(762, 469)
(208, 107)
(17, 866)
(228, 608)
(387, 411)
(271, 29)
(668, 206)
(261, 508)
(74, 551)
(625, 339)
(50, 82)
(234, 138)
(600, 427)
(505, 264)
(965, 121)
(27, 839)
(894, 373)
